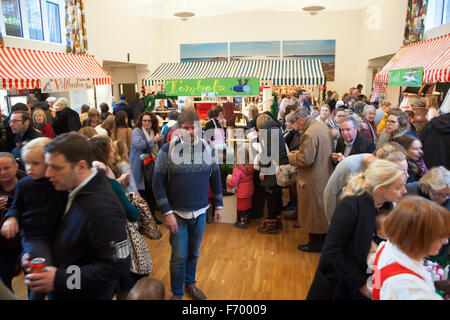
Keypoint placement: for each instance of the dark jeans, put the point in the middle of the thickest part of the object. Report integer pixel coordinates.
(274, 196)
(185, 252)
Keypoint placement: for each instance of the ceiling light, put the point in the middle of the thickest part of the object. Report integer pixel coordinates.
(313, 9)
(184, 15)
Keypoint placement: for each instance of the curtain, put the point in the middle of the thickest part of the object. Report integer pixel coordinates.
(415, 21)
(76, 36)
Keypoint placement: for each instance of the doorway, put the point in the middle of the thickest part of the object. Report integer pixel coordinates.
(129, 89)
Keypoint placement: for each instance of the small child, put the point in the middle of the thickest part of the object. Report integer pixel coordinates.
(148, 289)
(242, 180)
(37, 207)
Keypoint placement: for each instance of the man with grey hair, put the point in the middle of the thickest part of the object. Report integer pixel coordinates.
(31, 100)
(351, 141)
(313, 160)
(66, 119)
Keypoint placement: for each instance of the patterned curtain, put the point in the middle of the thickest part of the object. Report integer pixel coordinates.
(76, 36)
(415, 21)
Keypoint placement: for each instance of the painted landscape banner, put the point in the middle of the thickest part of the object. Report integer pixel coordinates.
(323, 50)
(257, 50)
(204, 52)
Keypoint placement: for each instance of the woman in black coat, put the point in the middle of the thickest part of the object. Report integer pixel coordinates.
(342, 273)
(271, 156)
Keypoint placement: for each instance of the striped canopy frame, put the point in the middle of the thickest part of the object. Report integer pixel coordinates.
(278, 72)
(433, 55)
(24, 68)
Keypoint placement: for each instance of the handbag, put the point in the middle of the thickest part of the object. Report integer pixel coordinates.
(286, 175)
(146, 223)
(141, 261)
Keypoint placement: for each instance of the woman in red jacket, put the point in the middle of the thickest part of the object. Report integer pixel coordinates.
(242, 180)
(40, 123)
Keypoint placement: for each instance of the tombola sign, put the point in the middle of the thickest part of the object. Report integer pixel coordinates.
(222, 87)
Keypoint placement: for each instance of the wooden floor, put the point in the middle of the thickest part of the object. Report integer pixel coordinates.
(239, 264)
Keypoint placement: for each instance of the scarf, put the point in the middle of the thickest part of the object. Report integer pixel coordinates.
(149, 136)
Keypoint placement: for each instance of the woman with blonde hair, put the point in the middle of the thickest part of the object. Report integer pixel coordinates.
(107, 127)
(40, 123)
(415, 229)
(342, 270)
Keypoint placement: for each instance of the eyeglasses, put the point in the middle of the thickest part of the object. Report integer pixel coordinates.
(14, 121)
(391, 121)
(440, 195)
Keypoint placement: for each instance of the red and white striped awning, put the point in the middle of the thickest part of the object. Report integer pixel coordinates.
(433, 55)
(24, 68)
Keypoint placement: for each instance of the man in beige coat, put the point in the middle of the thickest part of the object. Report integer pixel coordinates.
(313, 160)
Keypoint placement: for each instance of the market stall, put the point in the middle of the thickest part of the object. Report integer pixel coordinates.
(281, 76)
(416, 70)
(79, 76)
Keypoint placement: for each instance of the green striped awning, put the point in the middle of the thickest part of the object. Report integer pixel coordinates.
(278, 72)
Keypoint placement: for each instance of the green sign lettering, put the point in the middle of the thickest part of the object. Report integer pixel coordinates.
(222, 87)
(411, 77)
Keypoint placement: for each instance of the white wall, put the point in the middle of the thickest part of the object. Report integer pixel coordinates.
(354, 44)
(116, 28)
(382, 28)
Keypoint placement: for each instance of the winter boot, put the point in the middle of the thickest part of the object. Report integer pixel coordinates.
(244, 219)
(237, 224)
(269, 227)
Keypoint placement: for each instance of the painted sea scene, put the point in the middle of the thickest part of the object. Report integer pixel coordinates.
(204, 52)
(324, 50)
(256, 50)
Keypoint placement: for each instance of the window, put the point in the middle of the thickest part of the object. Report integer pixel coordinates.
(34, 19)
(11, 16)
(54, 25)
(41, 20)
(438, 14)
(446, 12)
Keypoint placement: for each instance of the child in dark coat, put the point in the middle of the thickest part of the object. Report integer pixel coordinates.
(37, 207)
(242, 180)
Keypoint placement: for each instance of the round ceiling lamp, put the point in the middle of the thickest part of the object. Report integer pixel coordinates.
(184, 15)
(313, 9)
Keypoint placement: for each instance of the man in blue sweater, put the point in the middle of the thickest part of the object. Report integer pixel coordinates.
(90, 251)
(181, 182)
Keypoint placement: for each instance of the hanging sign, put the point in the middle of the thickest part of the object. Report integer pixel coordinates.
(65, 84)
(411, 77)
(222, 87)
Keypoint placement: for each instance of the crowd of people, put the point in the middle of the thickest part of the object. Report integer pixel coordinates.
(65, 177)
